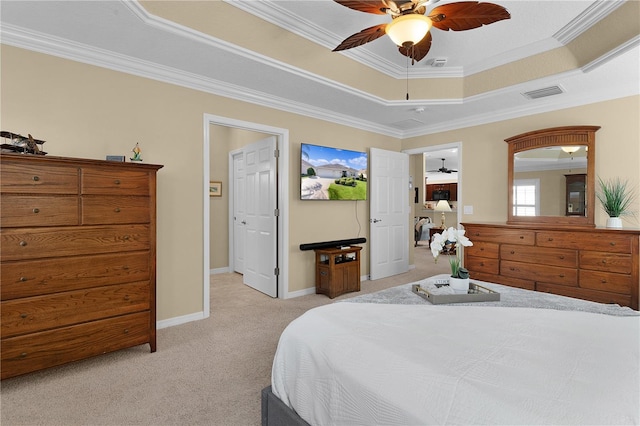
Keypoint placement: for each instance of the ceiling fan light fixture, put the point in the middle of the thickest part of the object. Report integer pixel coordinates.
(410, 28)
(570, 149)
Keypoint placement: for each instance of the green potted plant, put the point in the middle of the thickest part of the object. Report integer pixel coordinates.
(616, 199)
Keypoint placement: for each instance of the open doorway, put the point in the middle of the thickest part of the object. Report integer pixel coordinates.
(281, 182)
(437, 184)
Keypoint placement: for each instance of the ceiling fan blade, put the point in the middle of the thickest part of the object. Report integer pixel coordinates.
(377, 6)
(364, 36)
(420, 50)
(466, 15)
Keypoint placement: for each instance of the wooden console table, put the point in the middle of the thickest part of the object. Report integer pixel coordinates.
(337, 270)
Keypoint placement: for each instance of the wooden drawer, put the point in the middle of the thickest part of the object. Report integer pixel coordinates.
(482, 249)
(38, 210)
(482, 264)
(605, 281)
(106, 181)
(38, 243)
(31, 314)
(546, 256)
(547, 274)
(500, 235)
(596, 241)
(610, 262)
(580, 293)
(37, 179)
(99, 210)
(499, 279)
(31, 352)
(37, 277)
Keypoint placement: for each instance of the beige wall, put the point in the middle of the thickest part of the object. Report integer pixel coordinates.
(483, 179)
(89, 112)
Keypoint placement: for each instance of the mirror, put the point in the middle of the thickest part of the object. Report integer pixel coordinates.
(551, 176)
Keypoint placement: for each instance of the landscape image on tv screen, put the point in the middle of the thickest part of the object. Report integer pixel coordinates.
(332, 174)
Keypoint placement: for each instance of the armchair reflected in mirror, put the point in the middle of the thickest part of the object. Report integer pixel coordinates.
(551, 175)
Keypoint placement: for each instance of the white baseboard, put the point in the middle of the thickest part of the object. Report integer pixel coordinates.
(219, 271)
(303, 292)
(196, 316)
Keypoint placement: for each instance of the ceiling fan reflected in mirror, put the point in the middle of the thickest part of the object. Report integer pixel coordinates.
(409, 26)
(442, 169)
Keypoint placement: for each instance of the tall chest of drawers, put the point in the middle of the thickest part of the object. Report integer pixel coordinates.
(78, 259)
(595, 264)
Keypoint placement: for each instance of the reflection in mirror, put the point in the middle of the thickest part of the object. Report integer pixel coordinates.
(544, 182)
(551, 176)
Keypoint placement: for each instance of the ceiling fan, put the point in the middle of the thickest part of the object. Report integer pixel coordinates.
(409, 26)
(443, 169)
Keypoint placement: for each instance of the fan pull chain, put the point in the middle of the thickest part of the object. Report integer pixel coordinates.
(407, 78)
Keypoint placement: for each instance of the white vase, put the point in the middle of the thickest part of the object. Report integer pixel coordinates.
(459, 285)
(614, 222)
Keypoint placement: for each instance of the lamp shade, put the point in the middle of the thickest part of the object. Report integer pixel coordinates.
(442, 206)
(408, 28)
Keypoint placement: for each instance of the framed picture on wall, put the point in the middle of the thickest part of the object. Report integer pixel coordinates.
(215, 188)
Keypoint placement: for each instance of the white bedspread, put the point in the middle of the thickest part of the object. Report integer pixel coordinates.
(373, 364)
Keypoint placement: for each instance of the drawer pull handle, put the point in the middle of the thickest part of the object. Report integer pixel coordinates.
(323, 272)
(612, 243)
(36, 210)
(23, 243)
(126, 237)
(550, 239)
(522, 237)
(561, 275)
(512, 268)
(482, 249)
(481, 263)
(126, 331)
(477, 234)
(604, 260)
(603, 281)
(117, 181)
(23, 315)
(125, 267)
(126, 297)
(36, 178)
(23, 355)
(117, 210)
(561, 257)
(23, 279)
(512, 252)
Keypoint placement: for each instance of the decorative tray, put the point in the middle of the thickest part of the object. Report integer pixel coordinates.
(476, 293)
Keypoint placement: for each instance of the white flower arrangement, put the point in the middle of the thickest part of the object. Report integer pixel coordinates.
(448, 237)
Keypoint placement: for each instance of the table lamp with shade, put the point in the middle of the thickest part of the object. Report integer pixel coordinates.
(442, 206)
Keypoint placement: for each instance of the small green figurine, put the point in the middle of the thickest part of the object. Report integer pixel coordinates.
(136, 153)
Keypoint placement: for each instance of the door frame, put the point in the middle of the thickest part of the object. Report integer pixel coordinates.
(282, 182)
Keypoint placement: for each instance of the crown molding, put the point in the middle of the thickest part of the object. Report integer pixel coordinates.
(581, 23)
(44, 43)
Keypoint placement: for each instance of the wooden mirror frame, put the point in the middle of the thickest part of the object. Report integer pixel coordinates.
(556, 136)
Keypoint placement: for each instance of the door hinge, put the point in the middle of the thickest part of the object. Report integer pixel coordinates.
(276, 271)
(276, 153)
(276, 212)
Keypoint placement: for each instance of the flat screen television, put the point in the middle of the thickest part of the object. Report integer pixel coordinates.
(328, 173)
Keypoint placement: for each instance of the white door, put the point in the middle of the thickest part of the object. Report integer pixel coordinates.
(389, 213)
(260, 260)
(239, 212)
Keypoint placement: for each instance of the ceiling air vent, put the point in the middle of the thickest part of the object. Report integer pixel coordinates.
(543, 93)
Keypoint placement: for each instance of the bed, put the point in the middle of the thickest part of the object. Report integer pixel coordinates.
(414, 364)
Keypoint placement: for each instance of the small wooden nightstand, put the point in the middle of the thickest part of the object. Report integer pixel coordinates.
(337, 270)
